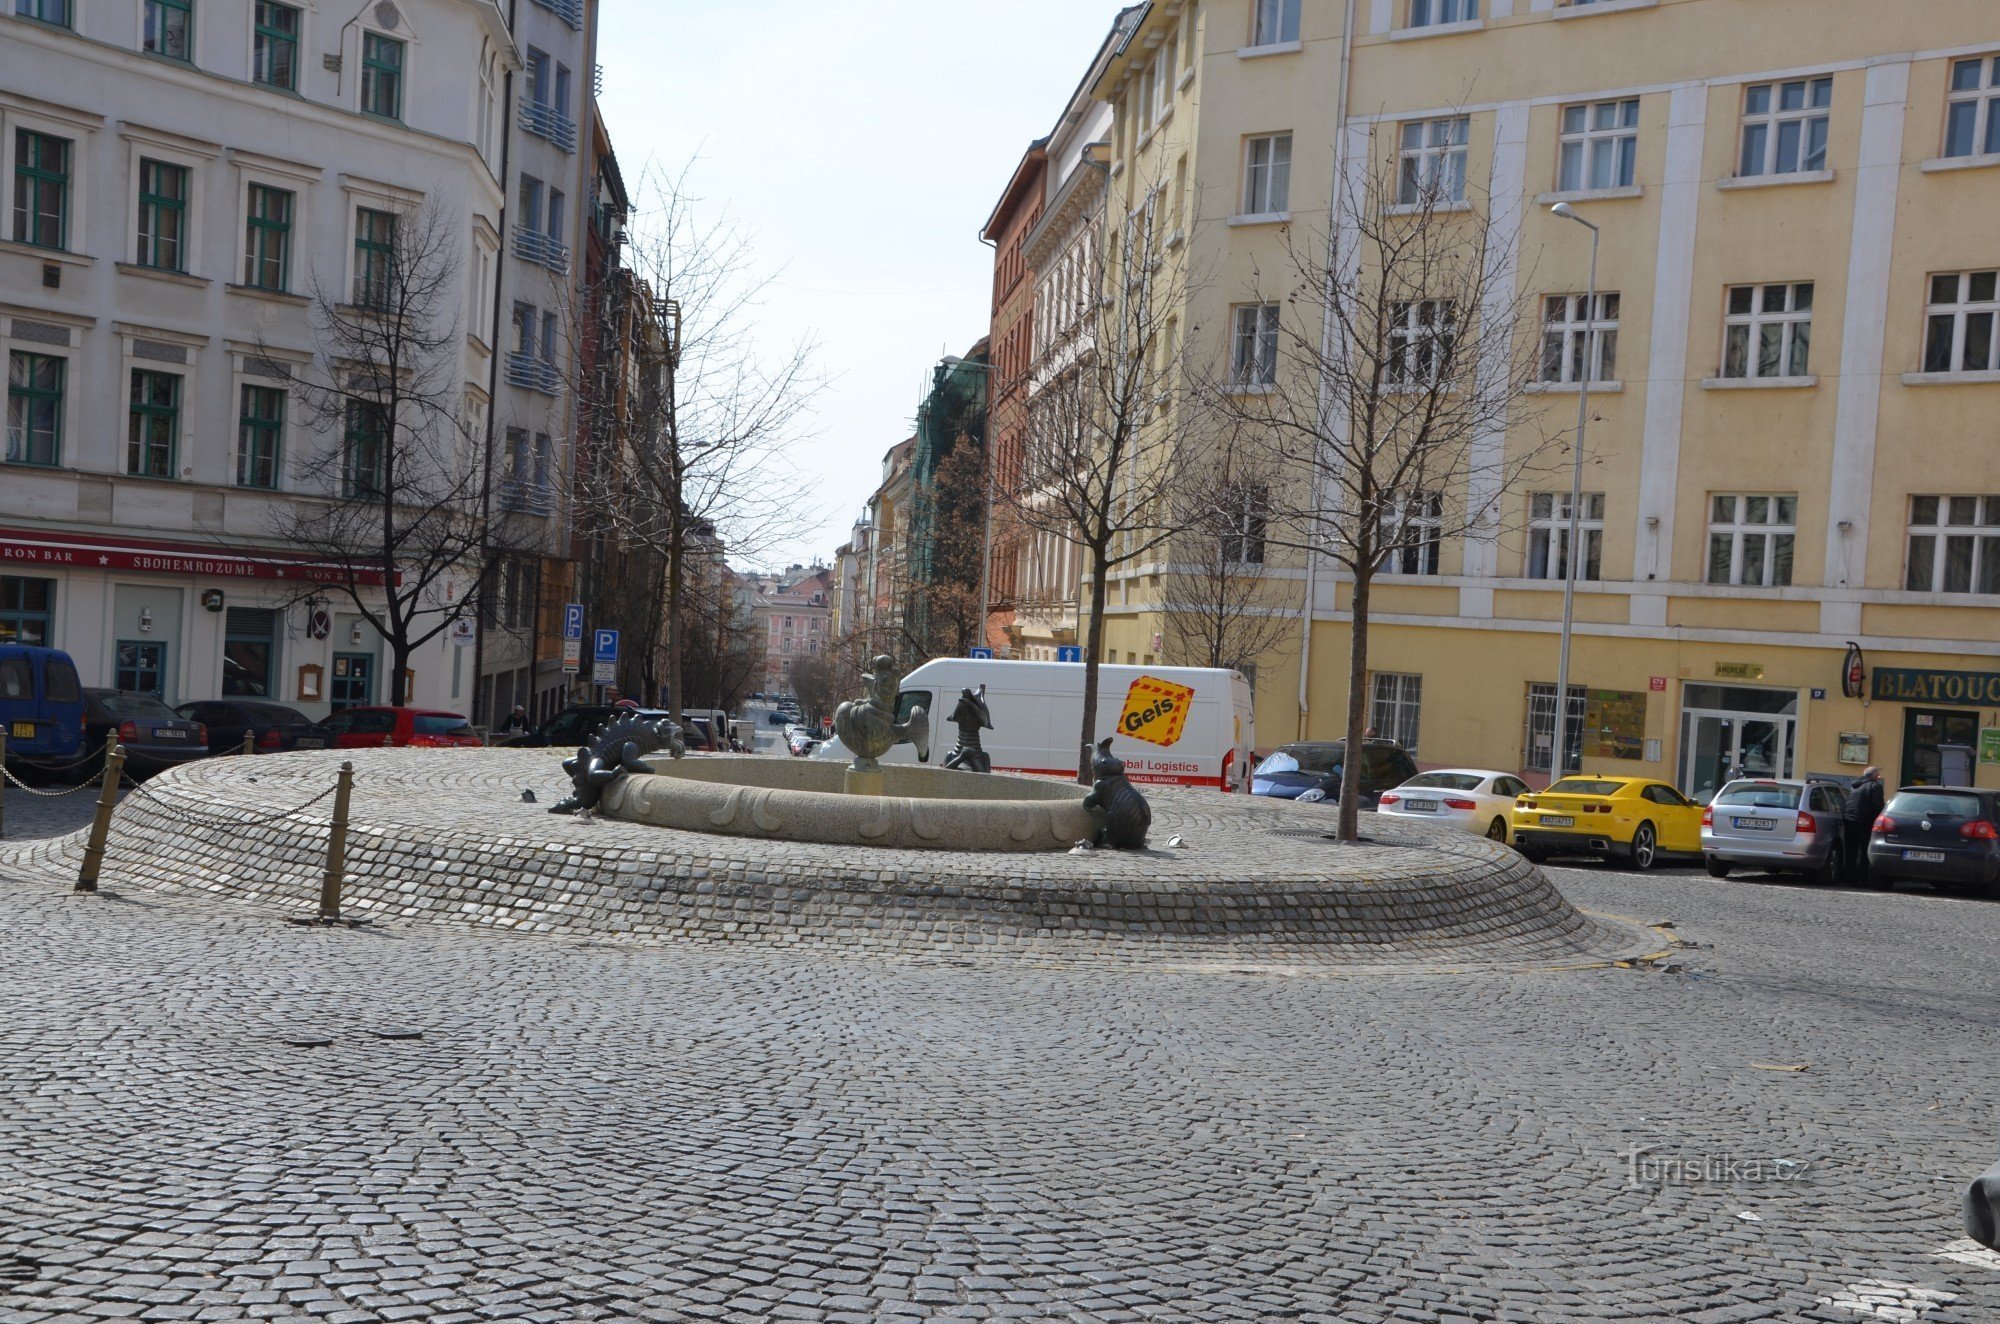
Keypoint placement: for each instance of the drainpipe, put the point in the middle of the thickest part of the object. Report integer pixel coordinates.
(482, 586)
(1326, 342)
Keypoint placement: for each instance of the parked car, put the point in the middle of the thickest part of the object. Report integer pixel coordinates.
(1304, 771)
(1775, 823)
(41, 705)
(802, 741)
(782, 718)
(1474, 799)
(154, 735)
(573, 726)
(1948, 835)
(1637, 819)
(375, 726)
(275, 726)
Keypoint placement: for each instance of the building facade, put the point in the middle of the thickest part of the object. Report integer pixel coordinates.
(792, 616)
(1787, 558)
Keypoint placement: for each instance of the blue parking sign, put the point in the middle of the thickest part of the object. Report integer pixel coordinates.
(604, 646)
(573, 620)
(979, 651)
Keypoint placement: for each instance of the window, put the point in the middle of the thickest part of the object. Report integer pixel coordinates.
(1412, 528)
(141, 668)
(513, 468)
(163, 196)
(267, 244)
(154, 425)
(1431, 13)
(1954, 544)
(48, 11)
(34, 408)
(531, 202)
(1273, 21)
(274, 46)
(363, 449)
(1253, 357)
(1784, 126)
(1246, 514)
(558, 209)
(1972, 109)
(1566, 337)
(1750, 539)
(1599, 145)
(548, 337)
(1548, 534)
(1959, 322)
(1393, 707)
(1431, 163)
(260, 428)
(27, 612)
(381, 75)
(374, 257)
(41, 189)
(170, 28)
(1267, 174)
(1422, 335)
(1542, 726)
(1767, 331)
(249, 647)
(544, 471)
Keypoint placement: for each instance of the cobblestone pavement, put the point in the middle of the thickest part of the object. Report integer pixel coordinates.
(208, 1114)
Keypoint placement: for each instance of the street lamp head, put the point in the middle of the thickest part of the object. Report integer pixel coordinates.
(1568, 213)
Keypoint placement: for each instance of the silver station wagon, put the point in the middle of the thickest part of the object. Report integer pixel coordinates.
(1765, 823)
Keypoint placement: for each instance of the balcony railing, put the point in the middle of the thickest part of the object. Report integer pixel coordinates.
(569, 11)
(549, 123)
(531, 373)
(534, 246)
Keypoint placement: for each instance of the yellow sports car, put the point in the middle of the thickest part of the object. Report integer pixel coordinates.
(1636, 819)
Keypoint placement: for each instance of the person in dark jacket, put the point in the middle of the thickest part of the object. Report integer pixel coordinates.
(1864, 805)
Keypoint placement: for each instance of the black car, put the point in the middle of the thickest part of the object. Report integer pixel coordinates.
(1948, 835)
(154, 735)
(574, 726)
(274, 726)
(1292, 770)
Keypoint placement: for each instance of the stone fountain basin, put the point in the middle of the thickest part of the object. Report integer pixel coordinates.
(802, 800)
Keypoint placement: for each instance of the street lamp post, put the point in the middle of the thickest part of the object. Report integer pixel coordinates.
(1557, 755)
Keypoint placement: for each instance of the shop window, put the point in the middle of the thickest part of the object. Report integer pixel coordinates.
(249, 652)
(27, 610)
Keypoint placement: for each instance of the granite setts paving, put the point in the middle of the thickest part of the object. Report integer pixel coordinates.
(444, 835)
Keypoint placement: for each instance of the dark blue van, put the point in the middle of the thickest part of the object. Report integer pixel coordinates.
(41, 704)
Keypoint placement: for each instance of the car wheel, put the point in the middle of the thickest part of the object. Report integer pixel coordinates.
(1828, 872)
(1717, 868)
(1497, 831)
(1644, 851)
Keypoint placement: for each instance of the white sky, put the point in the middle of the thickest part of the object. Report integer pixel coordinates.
(864, 142)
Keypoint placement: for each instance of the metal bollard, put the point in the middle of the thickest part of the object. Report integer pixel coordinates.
(249, 740)
(336, 849)
(107, 800)
(3, 782)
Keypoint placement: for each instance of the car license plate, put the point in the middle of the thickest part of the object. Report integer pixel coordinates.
(168, 733)
(1925, 856)
(1421, 806)
(1755, 824)
(24, 730)
(1558, 820)
(310, 742)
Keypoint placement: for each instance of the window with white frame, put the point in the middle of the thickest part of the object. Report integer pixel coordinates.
(1163, 81)
(1599, 145)
(1972, 108)
(1767, 331)
(1267, 174)
(1784, 126)
(1274, 21)
(1253, 357)
(1412, 533)
(1541, 734)
(1750, 539)
(1423, 333)
(1246, 516)
(1567, 328)
(1395, 707)
(1431, 160)
(1548, 535)
(1954, 545)
(1959, 322)
(1432, 13)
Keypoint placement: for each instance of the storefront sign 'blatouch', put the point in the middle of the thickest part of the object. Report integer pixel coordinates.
(1907, 685)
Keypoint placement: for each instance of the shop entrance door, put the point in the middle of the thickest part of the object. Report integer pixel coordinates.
(1937, 744)
(1734, 731)
(353, 680)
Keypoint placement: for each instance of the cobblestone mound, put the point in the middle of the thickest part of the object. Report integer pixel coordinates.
(444, 835)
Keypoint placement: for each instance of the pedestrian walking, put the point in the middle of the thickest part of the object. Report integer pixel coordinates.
(1858, 815)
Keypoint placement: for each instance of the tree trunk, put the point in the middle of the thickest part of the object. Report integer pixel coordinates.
(1093, 644)
(675, 548)
(399, 667)
(1355, 760)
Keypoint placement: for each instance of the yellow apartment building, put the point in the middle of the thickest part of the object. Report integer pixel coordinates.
(1790, 547)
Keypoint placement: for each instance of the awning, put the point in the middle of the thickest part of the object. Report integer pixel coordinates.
(102, 551)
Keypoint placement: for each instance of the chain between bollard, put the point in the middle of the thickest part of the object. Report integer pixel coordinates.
(229, 818)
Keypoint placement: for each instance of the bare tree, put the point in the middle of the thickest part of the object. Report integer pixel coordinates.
(1388, 377)
(405, 481)
(1217, 605)
(1107, 419)
(707, 430)
(943, 617)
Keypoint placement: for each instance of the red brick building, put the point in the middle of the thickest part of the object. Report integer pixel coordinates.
(1011, 336)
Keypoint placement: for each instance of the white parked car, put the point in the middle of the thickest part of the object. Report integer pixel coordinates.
(1476, 799)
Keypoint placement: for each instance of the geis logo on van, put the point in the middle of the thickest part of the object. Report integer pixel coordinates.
(1155, 710)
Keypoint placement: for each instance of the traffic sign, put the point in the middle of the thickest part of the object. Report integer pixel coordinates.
(1069, 653)
(573, 620)
(979, 651)
(604, 673)
(604, 646)
(572, 656)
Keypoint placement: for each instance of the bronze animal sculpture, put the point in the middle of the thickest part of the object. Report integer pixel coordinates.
(972, 716)
(619, 747)
(1124, 816)
(868, 725)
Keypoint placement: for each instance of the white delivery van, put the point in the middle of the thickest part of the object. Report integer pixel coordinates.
(1181, 726)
